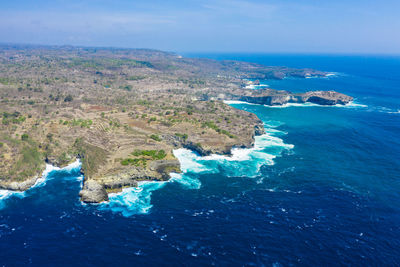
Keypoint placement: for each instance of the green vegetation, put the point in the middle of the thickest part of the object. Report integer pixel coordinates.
(29, 164)
(192, 82)
(24, 137)
(136, 78)
(15, 117)
(136, 162)
(155, 137)
(79, 122)
(153, 154)
(183, 136)
(152, 119)
(213, 126)
(210, 125)
(142, 156)
(110, 102)
(68, 98)
(126, 87)
(4, 81)
(91, 156)
(107, 63)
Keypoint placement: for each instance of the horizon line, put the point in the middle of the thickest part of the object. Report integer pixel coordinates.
(331, 53)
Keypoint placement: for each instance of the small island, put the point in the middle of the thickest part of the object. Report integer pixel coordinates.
(123, 111)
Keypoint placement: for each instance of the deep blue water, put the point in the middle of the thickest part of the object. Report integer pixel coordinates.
(322, 187)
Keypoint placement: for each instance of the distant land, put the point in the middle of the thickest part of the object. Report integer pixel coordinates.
(123, 111)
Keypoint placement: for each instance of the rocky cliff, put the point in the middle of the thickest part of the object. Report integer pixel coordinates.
(277, 98)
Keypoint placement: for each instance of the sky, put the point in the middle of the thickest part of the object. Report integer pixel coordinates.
(269, 26)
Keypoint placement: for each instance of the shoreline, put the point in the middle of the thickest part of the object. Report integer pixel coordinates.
(40, 181)
(243, 162)
(351, 104)
(186, 157)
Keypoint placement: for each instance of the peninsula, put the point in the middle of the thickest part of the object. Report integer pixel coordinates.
(123, 111)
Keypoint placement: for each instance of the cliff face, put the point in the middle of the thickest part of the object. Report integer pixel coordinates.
(326, 98)
(96, 187)
(277, 98)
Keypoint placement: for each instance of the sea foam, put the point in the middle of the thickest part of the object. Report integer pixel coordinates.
(243, 162)
(233, 102)
(133, 200)
(137, 200)
(41, 181)
(351, 104)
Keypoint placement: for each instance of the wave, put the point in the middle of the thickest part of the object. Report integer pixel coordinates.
(256, 86)
(331, 74)
(50, 168)
(132, 200)
(394, 112)
(41, 181)
(137, 200)
(233, 102)
(351, 104)
(242, 163)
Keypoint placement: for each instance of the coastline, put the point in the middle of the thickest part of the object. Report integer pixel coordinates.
(242, 162)
(39, 181)
(351, 104)
(137, 199)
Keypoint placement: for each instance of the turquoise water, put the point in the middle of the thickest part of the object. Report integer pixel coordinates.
(321, 187)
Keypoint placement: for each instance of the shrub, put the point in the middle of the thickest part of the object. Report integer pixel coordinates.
(135, 78)
(68, 98)
(155, 137)
(127, 88)
(152, 119)
(153, 154)
(24, 137)
(50, 136)
(183, 136)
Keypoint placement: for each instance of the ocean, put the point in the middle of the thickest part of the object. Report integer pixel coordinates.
(321, 187)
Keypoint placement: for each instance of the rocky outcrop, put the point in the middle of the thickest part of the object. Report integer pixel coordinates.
(18, 186)
(259, 130)
(93, 192)
(165, 167)
(197, 147)
(277, 98)
(326, 98)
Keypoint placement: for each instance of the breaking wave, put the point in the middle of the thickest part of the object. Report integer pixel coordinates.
(351, 104)
(132, 200)
(242, 163)
(40, 182)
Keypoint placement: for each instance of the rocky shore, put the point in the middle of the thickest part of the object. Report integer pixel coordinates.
(123, 112)
(278, 98)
